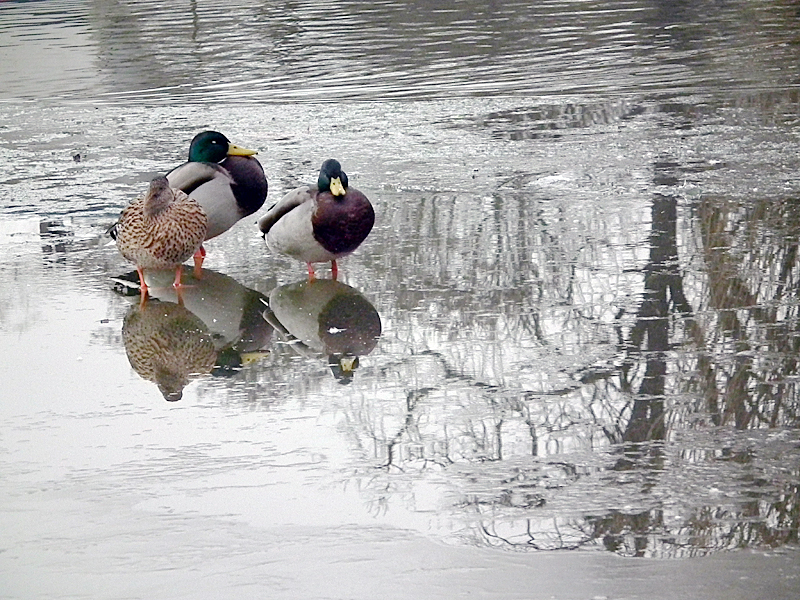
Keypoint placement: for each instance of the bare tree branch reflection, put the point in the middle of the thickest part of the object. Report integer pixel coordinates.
(577, 368)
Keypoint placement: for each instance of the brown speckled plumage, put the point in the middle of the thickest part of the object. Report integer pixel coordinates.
(167, 344)
(161, 230)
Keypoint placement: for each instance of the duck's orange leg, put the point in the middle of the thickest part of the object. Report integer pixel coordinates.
(177, 284)
(311, 274)
(142, 286)
(199, 257)
(178, 273)
(334, 270)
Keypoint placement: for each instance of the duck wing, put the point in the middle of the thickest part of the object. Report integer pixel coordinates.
(191, 175)
(212, 186)
(297, 197)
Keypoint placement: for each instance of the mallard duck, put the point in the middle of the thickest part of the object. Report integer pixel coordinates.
(319, 223)
(225, 179)
(160, 230)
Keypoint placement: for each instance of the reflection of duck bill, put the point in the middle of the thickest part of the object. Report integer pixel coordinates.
(343, 367)
(328, 317)
(230, 311)
(168, 345)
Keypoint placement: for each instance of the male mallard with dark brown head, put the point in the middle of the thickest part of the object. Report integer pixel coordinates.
(319, 223)
(224, 178)
(160, 230)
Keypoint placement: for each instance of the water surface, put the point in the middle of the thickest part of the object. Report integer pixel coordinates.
(576, 315)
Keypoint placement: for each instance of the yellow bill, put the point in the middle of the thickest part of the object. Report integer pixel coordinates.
(248, 358)
(234, 150)
(337, 189)
(348, 364)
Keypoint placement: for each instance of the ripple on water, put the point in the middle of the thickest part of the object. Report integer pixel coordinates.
(319, 51)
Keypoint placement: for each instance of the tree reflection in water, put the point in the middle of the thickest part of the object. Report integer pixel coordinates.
(594, 376)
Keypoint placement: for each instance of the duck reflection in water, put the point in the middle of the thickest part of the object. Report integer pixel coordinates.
(325, 318)
(168, 345)
(217, 328)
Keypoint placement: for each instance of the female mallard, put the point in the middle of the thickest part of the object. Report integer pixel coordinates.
(225, 179)
(319, 223)
(160, 231)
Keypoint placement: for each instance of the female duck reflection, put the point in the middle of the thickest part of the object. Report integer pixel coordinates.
(217, 328)
(328, 318)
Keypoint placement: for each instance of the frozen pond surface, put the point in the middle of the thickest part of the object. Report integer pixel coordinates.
(577, 315)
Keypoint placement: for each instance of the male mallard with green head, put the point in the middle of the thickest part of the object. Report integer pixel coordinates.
(160, 230)
(319, 223)
(224, 178)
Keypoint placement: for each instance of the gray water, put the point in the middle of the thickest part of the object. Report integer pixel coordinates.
(577, 312)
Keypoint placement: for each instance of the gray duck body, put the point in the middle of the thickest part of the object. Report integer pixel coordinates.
(225, 179)
(314, 224)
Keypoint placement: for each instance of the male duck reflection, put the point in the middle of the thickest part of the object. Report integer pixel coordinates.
(225, 180)
(160, 231)
(319, 223)
(322, 316)
(231, 312)
(169, 346)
